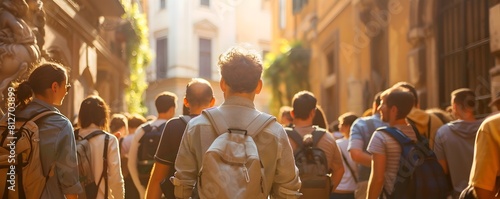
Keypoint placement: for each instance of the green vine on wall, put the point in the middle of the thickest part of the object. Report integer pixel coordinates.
(138, 57)
(287, 73)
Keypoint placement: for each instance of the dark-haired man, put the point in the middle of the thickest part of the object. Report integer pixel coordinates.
(360, 134)
(199, 96)
(165, 105)
(427, 124)
(304, 108)
(240, 81)
(395, 106)
(454, 144)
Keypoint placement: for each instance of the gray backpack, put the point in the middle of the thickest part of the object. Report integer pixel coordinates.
(231, 167)
(312, 164)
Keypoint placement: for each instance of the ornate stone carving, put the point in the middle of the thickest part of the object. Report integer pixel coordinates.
(18, 42)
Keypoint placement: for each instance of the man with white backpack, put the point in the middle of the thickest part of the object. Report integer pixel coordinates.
(234, 150)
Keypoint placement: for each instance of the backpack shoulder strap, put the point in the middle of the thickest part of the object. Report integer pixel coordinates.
(317, 134)
(396, 134)
(220, 125)
(104, 173)
(259, 123)
(292, 133)
(43, 115)
(147, 128)
(216, 119)
(185, 118)
(93, 134)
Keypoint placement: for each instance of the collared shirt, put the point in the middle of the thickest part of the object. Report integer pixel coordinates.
(58, 148)
(275, 151)
(361, 131)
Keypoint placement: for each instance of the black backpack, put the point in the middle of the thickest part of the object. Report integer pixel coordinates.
(420, 176)
(147, 150)
(312, 163)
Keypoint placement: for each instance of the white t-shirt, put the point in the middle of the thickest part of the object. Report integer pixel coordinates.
(347, 183)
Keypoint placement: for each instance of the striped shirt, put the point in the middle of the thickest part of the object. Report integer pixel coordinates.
(385, 144)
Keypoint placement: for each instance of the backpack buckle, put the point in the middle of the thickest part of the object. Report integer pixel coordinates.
(237, 131)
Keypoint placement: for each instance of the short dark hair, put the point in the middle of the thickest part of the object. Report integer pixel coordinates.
(410, 88)
(135, 120)
(303, 103)
(319, 118)
(117, 122)
(464, 97)
(199, 92)
(285, 113)
(164, 101)
(377, 99)
(347, 118)
(403, 100)
(94, 110)
(240, 69)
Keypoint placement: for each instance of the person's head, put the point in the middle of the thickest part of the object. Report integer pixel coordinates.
(165, 102)
(334, 126)
(304, 105)
(463, 102)
(48, 82)
(199, 95)
(285, 117)
(376, 103)
(410, 88)
(319, 118)
(94, 110)
(241, 72)
(118, 125)
(395, 104)
(134, 121)
(345, 123)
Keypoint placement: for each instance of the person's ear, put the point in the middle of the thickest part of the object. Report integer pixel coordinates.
(185, 102)
(292, 113)
(212, 102)
(54, 86)
(223, 85)
(259, 87)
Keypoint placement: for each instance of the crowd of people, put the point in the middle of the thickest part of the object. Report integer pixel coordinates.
(236, 151)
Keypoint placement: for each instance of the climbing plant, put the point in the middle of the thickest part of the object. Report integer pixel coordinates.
(138, 57)
(287, 73)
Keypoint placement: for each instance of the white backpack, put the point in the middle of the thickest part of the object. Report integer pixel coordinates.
(231, 167)
(21, 174)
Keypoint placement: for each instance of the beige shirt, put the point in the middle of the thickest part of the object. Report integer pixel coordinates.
(281, 175)
(115, 178)
(327, 144)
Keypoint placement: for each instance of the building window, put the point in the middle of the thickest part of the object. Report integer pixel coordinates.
(282, 13)
(464, 51)
(163, 4)
(205, 2)
(161, 57)
(205, 58)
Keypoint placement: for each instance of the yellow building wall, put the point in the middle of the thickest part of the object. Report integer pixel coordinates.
(398, 43)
